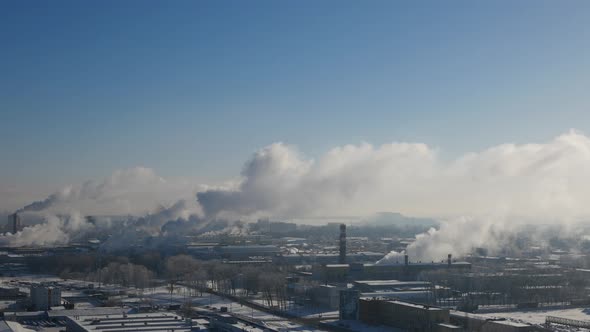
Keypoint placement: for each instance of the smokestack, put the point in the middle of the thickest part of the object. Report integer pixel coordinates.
(342, 257)
(406, 260)
(449, 259)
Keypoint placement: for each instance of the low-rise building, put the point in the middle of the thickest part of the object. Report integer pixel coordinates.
(402, 271)
(152, 322)
(404, 315)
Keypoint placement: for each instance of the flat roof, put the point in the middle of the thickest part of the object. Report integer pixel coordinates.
(421, 264)
(450, 326)
(411, 305)
(415, 305)
(153, 322)
(95, 311)
(511, 323)
(390, 282)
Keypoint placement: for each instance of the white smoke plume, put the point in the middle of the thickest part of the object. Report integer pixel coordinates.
(548, 180)
(56, 230)
(458, 237)
(134, 191)
(148, 200)
(63, 229)
(483, 195)
(349, 180)
(482, 191)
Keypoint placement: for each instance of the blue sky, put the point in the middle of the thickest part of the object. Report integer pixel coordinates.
(192, 88)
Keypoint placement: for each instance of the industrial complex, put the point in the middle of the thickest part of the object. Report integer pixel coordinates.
(282, 277)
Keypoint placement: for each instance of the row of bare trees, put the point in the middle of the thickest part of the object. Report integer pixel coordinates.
(269, 282)
(263, 282)
(124, 274)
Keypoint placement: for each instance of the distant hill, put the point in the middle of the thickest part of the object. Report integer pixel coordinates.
(398, 219)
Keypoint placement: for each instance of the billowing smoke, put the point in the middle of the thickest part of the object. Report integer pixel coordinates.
(547, 180)
(166, 222)
(483, 195)
(56, 230)
(134, 191)
(171, 223)
(349, 180)
(458, 237)
(498, 235)
(48, 202)
(479, 193)
(139, 200)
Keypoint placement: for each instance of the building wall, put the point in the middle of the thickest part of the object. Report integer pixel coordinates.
(327, 296)
(14, 223)
(349, 305)
(357, 271)
(43, 298)
(54, 296)
(402, 315)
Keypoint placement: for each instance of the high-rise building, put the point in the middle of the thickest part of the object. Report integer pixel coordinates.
(342, 242)
(45, 297)
(14, 224)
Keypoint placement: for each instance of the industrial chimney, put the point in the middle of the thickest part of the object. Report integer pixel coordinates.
(342, 257)
(406, 260)
(449, 260)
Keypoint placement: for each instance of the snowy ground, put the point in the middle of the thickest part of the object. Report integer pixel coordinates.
(161, 296)
(303, 311)
(537, 316)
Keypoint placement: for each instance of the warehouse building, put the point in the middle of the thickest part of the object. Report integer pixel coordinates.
(152, 322)
(401, 271)
(404, 315)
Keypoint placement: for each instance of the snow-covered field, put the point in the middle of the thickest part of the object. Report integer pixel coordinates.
(182, 295)
(537, 316)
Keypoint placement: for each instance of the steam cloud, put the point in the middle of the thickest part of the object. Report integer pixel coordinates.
(531, 180)
(130, 191)
(477, 192)
(55, 230)
(61, 217)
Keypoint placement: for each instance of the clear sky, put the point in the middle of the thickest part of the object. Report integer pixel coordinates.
(192, 88)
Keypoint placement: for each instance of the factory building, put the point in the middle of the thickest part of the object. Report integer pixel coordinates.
(232, 252)
(404, 315)
(422, 292)
(154, 322)
(45, 297)
(327, 296)
(241, 252)
(391, 285)
(401, 271)
(327, 258)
